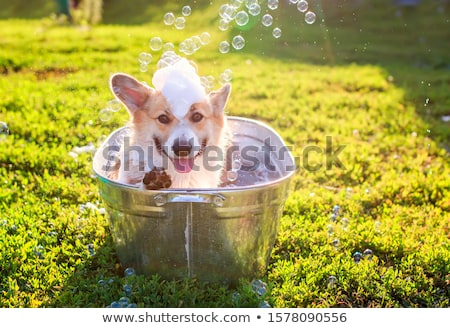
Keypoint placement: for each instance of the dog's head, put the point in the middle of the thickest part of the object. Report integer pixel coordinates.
(177, 116)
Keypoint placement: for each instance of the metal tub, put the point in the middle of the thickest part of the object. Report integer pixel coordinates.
(215, 235)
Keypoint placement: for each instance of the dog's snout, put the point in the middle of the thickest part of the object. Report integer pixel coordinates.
(182, 147)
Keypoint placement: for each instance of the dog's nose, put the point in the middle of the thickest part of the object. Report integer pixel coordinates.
(182, 147)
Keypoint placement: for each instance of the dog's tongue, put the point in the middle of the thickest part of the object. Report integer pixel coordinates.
(183, 164)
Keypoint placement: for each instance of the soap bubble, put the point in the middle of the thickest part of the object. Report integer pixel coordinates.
(145, 58)
(249, 3)
(254, 9)
(197, 42)
(4, 130)
(143, 68)
(368, 253)
(156, 43)
(267, 20)
(223, 25)
(357, 256)
(124, 301)
(128, 289)
(302, 6)
(91, 249)
(129, 272)
(186, 10)
(236, 3)
(241, 18)
(259, 287)
(332, 281)
(115, 305)
(39, 251)
(264, 305)
(336, 243)
(205, 38)
(272, 4)
(224, 47)
(105, 114)
(276, 32)
(114, 104)
(310, 17)
(238, 42)
(169, 18)
(169, 46)
(180, 23)
(293, 1)
(228, 74)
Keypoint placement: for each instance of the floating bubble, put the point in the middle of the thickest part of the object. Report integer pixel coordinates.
(229, 13)
(101, 283)
(205, 38)
(276, 32)
(115, 105)
(224, 47)
(156, 43)
(197, 42)
(254, 9)
(272, 4)
(169, 46)
(39, 251)
(344, 222)
(293, 1)
(310, 17)
(169, 18)
(145, 58)
(224, 25)
(115, 305)
(232, 176)
(105, 114)
(124, 301)
(236, 3)
(238, 42)
(132, 306)
(128, 289)
(228, 74)
(143, 68)
(267, 20)
(180, 23)
(336, 242)
(302, 6)
(129, 272)
(336, 209)
(259, 287)
(368, 253)
(236, 297)
(333, 217)
(186, 10)
(264, 305)
(249, 3)
(91, 249)
(241, 18)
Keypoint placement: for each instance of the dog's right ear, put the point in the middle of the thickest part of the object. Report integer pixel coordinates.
(132, 93)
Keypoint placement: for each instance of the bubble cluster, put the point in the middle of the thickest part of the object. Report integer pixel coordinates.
(145, 58)
(259, 287)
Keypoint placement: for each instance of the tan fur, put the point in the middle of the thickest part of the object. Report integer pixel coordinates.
(145, 105)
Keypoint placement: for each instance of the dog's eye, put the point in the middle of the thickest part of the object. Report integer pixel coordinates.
(196, 117)
(164, 119)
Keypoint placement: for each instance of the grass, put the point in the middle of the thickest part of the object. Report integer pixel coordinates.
(378, 90)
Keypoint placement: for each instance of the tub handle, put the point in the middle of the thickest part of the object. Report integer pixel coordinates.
(215, 199)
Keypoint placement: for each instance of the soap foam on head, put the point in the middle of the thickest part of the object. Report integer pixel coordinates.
(180, 85)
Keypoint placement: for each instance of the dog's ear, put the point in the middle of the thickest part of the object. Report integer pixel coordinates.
(219, 98)
(129, 91)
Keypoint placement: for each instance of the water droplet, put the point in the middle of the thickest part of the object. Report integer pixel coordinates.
(145, 58)
(302, 6)
(276, 32)
(129, 272)
(224, 47)
(105, 114)
(180, 23)
(267, 20)
(238, 42)
(241, 18)
(272, 4)
(357, 256)
(259, 287)
(186, 10)
(169, 18)
(310, 17)
(156, 43)
(332, 281)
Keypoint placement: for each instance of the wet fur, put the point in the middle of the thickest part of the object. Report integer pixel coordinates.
(145, 105)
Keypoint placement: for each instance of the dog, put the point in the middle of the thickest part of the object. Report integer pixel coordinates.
(176, 129)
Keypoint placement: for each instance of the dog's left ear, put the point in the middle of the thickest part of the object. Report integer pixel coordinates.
(219, 98)
(132, 93)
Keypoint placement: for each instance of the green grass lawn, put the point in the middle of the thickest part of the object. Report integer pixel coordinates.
(371, 77)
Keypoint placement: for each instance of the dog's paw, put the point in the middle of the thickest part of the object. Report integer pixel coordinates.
(156, 179)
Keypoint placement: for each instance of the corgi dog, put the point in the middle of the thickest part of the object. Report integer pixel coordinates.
(175, 127)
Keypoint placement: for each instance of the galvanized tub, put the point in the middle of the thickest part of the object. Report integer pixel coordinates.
(215, 235)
